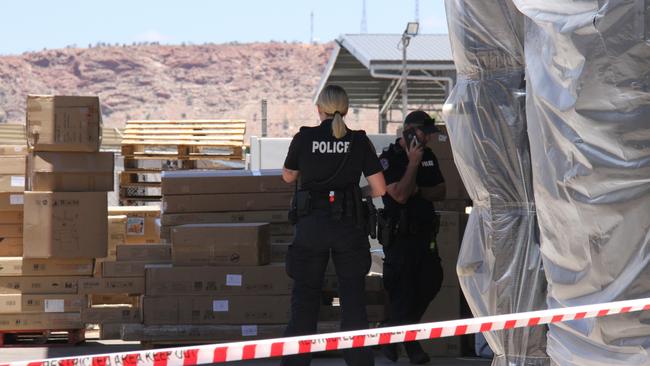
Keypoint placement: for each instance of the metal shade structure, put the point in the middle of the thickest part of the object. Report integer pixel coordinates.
(369, 67)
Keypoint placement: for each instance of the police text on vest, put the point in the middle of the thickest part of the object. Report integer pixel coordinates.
(330, 147)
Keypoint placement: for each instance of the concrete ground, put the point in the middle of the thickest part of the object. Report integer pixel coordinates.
(95, 347)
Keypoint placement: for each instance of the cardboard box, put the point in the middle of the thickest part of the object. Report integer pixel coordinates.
(111, 331)
(206, 333)
(11, 231)
(11, 247)
(223, 181)
(17, 266)
(123, 285)
(127, 269)
(32, 303)
(65, 225)
(445, 306)
(111, 314)
(70, 171)
(11, 201)
(116, 234)
(441, 147)
(245, 244)
(453, 183)
(12, 173)
(40, 321)
(216, 310)
(143, 223)
(8, 150)
(11, 217)
(279, 252)
(38, 285)
(274, 229)
(263, 280)
(151, 253)
(63, 123)
(227, 202)
(272, 217)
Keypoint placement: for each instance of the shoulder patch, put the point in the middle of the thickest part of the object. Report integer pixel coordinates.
(384, 163)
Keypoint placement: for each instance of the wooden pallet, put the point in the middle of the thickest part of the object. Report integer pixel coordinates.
(184, 140)
(38, 338)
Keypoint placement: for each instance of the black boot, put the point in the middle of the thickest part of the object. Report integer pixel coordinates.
(416, 354)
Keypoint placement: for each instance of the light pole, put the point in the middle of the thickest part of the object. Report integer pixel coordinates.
(410, 31)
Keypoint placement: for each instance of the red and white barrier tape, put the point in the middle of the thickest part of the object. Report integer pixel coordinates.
(218, 353)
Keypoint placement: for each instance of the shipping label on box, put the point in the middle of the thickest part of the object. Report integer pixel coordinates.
(38, 285)
(11, 201)
(12, 173)
(221, 244)
(65, 225)
(124, 285)
(71, 171)
(142, 225)
(63, 123)
(17, 266)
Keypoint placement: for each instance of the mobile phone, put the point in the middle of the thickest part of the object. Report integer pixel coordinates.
(409, 136)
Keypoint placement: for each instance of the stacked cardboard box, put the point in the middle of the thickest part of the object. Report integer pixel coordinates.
(449, 304)
(12, 185)
(64, 215)
(226, 228)
(115, 292)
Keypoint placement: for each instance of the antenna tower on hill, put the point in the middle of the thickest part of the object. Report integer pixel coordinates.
(311, 27)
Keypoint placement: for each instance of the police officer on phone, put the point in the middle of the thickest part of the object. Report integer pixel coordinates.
(330, 219)
(412, 270)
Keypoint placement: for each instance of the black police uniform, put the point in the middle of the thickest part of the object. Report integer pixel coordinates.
(318, 155)
(412, 269)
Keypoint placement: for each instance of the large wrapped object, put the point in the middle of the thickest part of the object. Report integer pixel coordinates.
(499, 266)
(588, 107)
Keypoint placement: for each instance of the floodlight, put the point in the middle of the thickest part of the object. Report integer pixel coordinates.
(412, 29)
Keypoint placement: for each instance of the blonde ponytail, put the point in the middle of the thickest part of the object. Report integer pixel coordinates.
(339, 129)
(333, 101)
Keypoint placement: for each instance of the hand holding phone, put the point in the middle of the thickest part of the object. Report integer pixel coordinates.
(413, 147)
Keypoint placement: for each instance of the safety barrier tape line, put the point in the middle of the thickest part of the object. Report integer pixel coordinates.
(218, 353)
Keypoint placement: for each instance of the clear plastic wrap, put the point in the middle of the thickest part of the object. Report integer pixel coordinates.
(588, 108)
(499, 266)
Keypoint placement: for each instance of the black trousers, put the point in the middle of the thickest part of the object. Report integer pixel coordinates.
(412, 276)
(317, 235)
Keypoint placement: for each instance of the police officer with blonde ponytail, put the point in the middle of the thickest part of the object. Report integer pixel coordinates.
(327, 161)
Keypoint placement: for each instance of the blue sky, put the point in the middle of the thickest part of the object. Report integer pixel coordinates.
(37, 24)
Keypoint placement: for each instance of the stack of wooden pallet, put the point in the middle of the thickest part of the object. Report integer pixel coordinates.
(151, 146)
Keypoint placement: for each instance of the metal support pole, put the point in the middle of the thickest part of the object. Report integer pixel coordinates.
(264, 118)
(405, 43)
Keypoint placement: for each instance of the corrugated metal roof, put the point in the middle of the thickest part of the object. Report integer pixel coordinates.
(384, 47)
